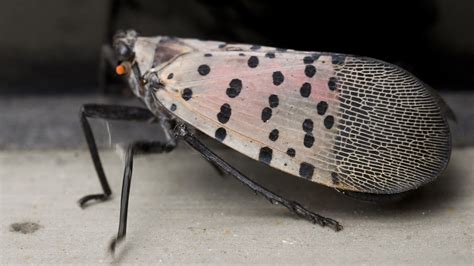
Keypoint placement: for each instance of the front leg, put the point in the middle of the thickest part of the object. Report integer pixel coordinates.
(108, 112)
(133, 149)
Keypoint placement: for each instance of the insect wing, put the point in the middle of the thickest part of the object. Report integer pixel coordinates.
(347, 122)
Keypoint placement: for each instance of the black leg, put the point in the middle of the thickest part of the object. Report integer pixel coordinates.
(293, 206)
(109, 112)
(133, 149)
(219, 171)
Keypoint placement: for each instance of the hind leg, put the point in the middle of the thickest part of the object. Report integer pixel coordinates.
(293, 206)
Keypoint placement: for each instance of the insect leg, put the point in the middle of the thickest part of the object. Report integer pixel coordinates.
(218, 169)
(133, 149)
(109, 112)
(293, 206)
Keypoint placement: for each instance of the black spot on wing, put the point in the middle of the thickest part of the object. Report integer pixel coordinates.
(270, 55)
(305, 90)
(273, 136)
(273, 101)
(332, 83)
(308, 140)
(308, 125)
(207, 55)
(322, 107)
(203, 70)
(265, 155)
(170, 75)
(266, 114)
(278, 78)
(291, 152)
(338, 59)
(220, 134)
(306, 170)
(173, 107)
(255, 47)
(252, 62)
(187, 94)
(329, 121)
(224, 115)
(308, 60)
(235, 86)
(310, 71)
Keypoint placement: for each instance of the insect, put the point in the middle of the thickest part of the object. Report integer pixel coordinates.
(362, 126)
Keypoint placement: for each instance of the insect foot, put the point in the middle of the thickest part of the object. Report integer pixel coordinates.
(96, 197)
(114, 243)
(313, 217)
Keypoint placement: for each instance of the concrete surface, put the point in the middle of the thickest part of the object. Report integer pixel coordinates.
(181, 211)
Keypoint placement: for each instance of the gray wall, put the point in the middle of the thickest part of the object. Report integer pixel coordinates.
(47, 42)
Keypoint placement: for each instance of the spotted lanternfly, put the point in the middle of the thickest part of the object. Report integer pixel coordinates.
(362, 126)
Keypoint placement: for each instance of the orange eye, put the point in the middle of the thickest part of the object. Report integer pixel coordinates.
(121, 70)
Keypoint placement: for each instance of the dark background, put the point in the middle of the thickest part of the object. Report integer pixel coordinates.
(53, 46)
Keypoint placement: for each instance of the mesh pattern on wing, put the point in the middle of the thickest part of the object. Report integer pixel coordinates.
(392, 135)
